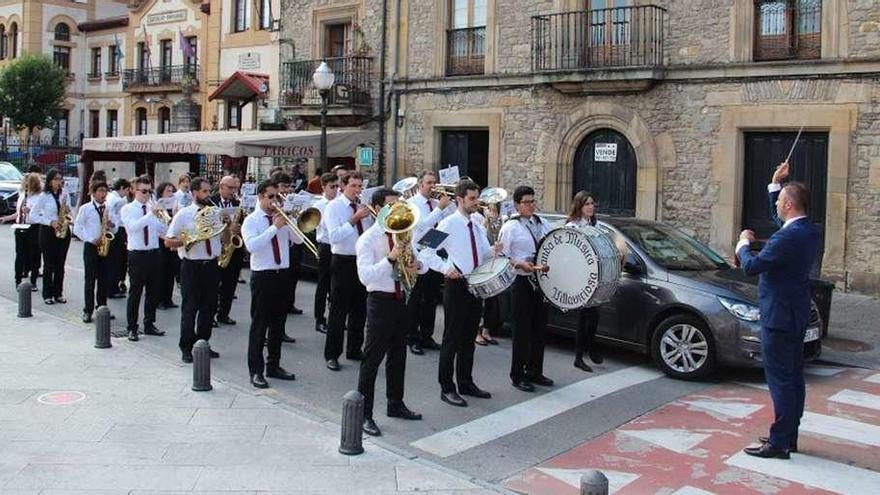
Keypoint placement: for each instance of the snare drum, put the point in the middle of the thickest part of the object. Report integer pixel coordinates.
(491, 278)
(584, 267)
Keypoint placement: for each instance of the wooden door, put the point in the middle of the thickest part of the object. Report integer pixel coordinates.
(605, 165)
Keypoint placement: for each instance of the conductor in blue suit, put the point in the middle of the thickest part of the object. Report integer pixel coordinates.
(784, 300)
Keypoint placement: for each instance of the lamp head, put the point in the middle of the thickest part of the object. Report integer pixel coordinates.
(323, 78)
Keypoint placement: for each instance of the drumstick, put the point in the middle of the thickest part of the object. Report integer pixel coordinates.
(793, 145)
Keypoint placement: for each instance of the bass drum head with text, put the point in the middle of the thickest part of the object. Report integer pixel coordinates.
(584, 267)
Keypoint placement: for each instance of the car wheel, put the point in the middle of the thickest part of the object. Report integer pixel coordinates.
(684, 348)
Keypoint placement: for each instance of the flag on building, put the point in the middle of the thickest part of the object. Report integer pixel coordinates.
(117, 48)
(185, 46)
(146, 41)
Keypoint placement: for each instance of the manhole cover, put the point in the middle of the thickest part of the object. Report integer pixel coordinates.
(846, 345)
(61, 398)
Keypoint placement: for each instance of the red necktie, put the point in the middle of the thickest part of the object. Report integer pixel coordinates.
(473, 245)
(146, 229)
(430, 206)
(360, 227)
(397, 294)
(208, 247)
(276, 249)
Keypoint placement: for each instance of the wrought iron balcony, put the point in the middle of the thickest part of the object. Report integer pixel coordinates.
(621, 37)
(465, 51)
(171, 77)
(351, 88)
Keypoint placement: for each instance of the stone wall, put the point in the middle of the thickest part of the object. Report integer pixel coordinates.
(421, 49)
(863, 200)
(864, 28)
(697, 31)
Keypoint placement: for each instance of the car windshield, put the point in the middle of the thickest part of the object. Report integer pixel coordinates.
(8, 172)
(672, 249)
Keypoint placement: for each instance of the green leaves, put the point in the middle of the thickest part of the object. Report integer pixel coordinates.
(32, 90)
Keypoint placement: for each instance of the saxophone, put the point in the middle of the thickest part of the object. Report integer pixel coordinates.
(106, 236)
(64, 221)
(234, 240)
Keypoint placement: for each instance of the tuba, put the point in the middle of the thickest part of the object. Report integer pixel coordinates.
(406, 187)
(64, 221)
(491, 199)
(399, 219)
(106, 236)
(234, 242)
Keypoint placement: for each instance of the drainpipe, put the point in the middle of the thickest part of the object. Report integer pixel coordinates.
(382, 117)
(395, 98)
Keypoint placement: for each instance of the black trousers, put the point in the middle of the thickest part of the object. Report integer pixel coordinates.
(145, 275)
(588, 321)
(492, 314)
(198, 289)
(97, 275)
(268, 288)
(170, 273)
(54, 257)
(296, 257)
(323, 289)
(27, 254)
(348, 300)
(228, 283)
(462, 317)
(119, 261)
(422, 307)
(386, 339)
(528, 322)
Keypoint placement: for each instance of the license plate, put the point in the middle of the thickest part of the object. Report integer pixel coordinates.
(811, 335)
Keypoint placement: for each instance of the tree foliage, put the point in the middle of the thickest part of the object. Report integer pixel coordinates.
(32, 90)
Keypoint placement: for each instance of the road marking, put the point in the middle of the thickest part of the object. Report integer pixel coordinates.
(856, 398)
(690, 490)
(760, 386)
(530, 412)
(823, 370)
(873, 378)
(737, 410)
(675, 440)
(844, 429)
(811, 471)
(616, 479)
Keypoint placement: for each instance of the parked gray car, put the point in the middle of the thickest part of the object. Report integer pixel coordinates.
(680, 302)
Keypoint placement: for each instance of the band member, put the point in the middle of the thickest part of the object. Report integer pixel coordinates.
(329, 183)
(422, 304)
(268, 237)
(520, 237)
(467, 248)
(93, 220)
(286, 188)
(116, 199)
(583, 214)
(377, 254)
(226, 199)
(199, 273)
(51, 210)
(27, 232)
(492, 321)
(346, 220)
(144, 257)
(170, 259)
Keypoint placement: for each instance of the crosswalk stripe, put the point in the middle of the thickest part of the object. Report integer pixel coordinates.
(857, 398)
(530, 412)
(873, 378)
(572, 477)
(844, 429)
(811, 471)
(823, 370)
(690, 490)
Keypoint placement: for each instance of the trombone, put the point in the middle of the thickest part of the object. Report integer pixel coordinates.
(307, 221)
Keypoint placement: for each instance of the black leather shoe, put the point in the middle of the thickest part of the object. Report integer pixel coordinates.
(453, 398)
(429, 343)
(416, 349)
(523, 385)
(579, 363)
(474, 391)
(116, 295)
(295, 311)
(401, 411)
(370, 428)
(320, 327)
(287, 338)
(133, 336)
(49, 301)
(61, 300)
(259, 381)
(767, 440)
(112, 316)
(541, 380)
(596, 356)
(214, 354)
(279, 373)
(152, 330)
(34, 288)
(226, 320)
(767, 451)
(87, 317)
(333, 365)
(171, 305)
(355, 356)
(186, 356)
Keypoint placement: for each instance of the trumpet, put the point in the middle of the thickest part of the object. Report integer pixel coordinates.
(443, 190)
(160, 212)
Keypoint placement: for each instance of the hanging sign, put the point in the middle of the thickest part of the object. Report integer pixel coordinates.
(605, 152)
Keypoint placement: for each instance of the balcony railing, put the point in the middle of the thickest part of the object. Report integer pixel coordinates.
(172, 75)
(351, 87)
(784, 31)
(465, 51)
(616, 37)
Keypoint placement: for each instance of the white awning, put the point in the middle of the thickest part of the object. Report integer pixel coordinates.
(294, 144)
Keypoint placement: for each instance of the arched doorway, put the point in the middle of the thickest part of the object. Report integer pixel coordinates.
(605, 164)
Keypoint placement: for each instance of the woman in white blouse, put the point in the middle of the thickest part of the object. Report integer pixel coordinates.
(27, 243)
(583, 214)
(54, 249)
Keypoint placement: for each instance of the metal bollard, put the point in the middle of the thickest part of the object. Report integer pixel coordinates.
(202, 366)
(24, 299)
(352, 424)
(594, 483)
(102, 328)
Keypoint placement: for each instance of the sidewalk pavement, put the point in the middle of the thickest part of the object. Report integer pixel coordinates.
(854, 335)
(78, 420)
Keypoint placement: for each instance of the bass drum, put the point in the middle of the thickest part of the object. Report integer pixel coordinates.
(584, 267)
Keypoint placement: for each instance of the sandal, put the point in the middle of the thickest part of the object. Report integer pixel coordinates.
(480, 341)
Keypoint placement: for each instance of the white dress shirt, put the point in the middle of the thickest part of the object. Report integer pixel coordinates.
(185, 221)
(45, 211)
(375, 271)
(25, 200)
(340, 232)
(257, 231)
(87, 225)
(579, 223)
(458, 244)
(431, 214)
(520, 237)
(134, 219)
(321, 234)
(184, 198)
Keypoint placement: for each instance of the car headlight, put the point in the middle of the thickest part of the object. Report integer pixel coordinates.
(741, 310)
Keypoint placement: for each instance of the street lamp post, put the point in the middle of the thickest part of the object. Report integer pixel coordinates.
(323, 78)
